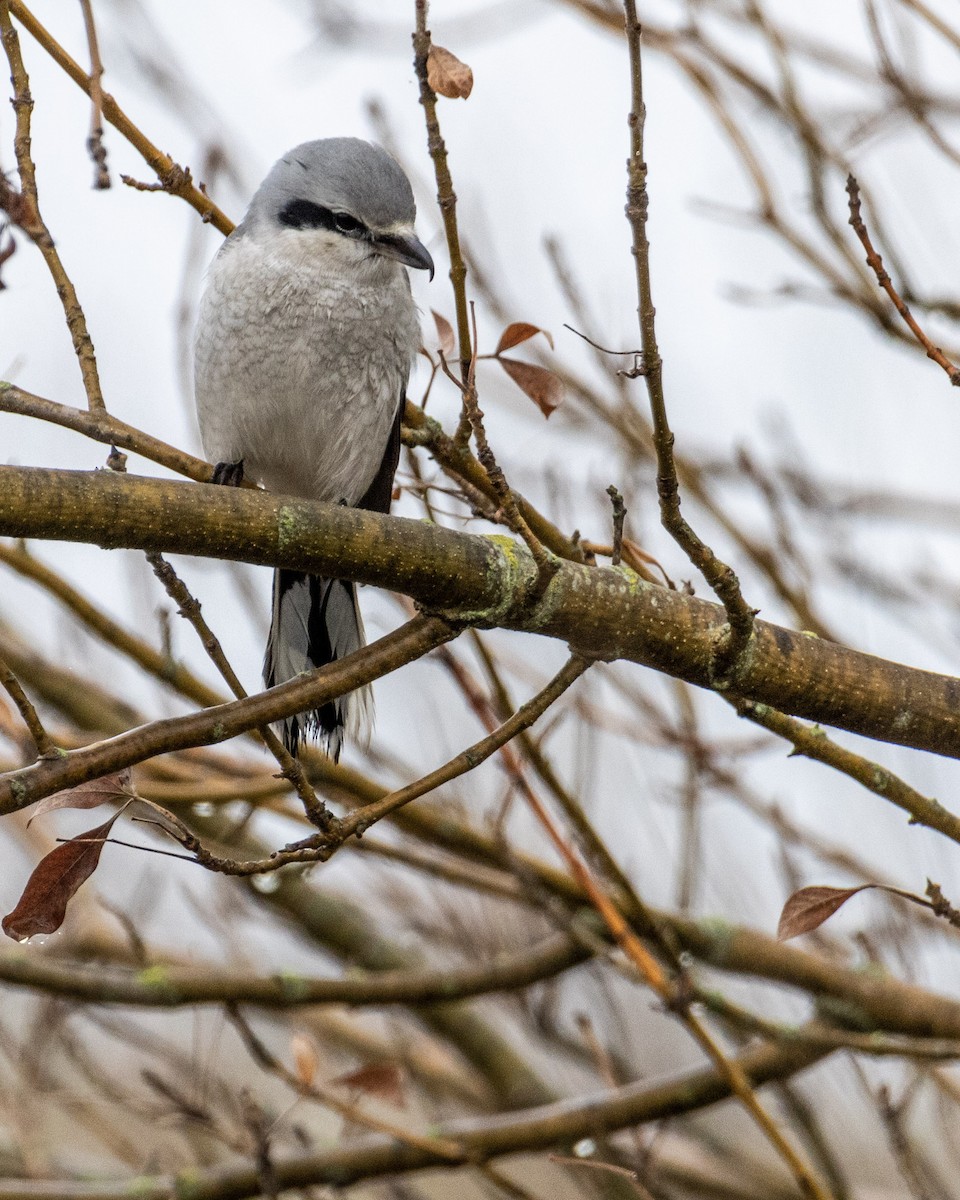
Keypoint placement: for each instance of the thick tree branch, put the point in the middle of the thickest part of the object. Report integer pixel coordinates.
(164, 986)
(419, 429)
(485, 580)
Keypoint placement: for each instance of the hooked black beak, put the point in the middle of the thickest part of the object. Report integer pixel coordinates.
(405, 248)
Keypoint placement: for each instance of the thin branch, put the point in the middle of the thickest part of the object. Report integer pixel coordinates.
(876, 264)
(23, 208)
(41, 739)
(466, 760)
(467, 471)
(590, 842)
(102, 427)
(733, 646)
(189, 609)
(98, 152)
(814, 744)
(446, 197)
(214, 725)
(619, 515)
(947, 32)
(473, 414)
(321, 847)
(176, 179)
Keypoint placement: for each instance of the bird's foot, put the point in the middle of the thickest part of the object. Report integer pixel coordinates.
(228, 474)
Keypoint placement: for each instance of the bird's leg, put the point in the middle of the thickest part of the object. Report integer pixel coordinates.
(228, 474)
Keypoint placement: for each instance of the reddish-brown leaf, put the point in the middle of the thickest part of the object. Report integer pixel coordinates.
(635, 556)
(447, 75)
(808, 908)
(150, 813)
(520, 331)
(543, 387)
(305, 1058)
(88, 795)
(445, 335)
(383, 1080)
(54, 883)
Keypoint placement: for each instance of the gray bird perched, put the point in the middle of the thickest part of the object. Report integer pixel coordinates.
(305, 339)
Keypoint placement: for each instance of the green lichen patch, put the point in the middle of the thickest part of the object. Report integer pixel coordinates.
(289, 526)
(293, 986)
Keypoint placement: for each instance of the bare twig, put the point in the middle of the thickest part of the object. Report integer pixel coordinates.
(98, 152)
(213, 725)
(736, 640)
(41, 739)
(24, 209)
(189, 608)
(876, 264)
(329, 1097)
(319, 848)
(175, 178)
(815, 744)
(522, 719)
(446, 197)
(619, 514)
(547, 565)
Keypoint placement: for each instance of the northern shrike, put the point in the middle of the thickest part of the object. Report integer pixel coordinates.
(306, 335)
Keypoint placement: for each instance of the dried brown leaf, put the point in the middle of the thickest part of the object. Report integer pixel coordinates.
(447, 75)
(520, 331)
(633, 554)
(384, 1080)
(150, 813)
(808, 908)
(445, 334)
(91, 794)
(306, 1060)
(543, 387)
(54, 882)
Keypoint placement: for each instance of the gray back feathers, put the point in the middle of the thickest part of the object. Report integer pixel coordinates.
(342, 174)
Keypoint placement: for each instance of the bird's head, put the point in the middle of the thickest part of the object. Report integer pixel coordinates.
(344, 198)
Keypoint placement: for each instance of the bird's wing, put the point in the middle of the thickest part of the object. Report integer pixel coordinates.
(380, 492)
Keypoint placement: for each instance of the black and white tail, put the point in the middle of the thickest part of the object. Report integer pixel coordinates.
(316, 621)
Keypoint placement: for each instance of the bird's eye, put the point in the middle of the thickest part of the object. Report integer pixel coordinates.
(347, 224)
